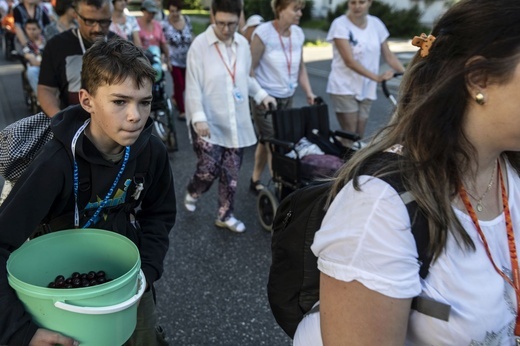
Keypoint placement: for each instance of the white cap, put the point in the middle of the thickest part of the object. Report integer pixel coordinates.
(252, 21)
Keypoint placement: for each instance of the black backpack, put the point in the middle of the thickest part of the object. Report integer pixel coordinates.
(294, 278)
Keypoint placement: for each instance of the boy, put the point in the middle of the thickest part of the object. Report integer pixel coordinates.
(98, 150)
(32, 52)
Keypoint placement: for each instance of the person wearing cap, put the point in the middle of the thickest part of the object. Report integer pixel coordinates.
(151, 33)
(251, 24)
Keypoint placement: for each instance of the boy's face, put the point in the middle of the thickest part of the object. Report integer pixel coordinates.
(33, 31)
(118, 113)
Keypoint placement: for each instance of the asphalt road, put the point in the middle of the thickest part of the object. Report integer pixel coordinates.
(213, 291)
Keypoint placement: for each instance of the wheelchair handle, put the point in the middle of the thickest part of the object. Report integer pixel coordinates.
(318, 101)
(386, 92)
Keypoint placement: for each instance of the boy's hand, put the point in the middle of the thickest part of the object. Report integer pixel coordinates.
(44, 337)
(202, 129)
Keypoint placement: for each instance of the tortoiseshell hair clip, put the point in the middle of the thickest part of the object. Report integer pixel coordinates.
(424, 42)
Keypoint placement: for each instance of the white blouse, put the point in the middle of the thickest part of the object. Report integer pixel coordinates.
(365, 236)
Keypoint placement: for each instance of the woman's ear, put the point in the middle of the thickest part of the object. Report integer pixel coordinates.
(85, 100)
(476, 77)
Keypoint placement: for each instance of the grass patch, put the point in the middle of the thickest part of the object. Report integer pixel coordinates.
(201, 13)
(317, 43)
(199, 27)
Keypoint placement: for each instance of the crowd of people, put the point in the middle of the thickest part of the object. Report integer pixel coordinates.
(452, 134)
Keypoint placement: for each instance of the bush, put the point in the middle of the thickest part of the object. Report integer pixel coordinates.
(192, 4)
(400, 22)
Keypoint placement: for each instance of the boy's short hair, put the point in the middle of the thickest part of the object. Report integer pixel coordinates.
(227, 6)
(32, 21)
(111, 62)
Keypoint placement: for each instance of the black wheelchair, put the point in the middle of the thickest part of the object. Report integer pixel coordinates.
(290, 173)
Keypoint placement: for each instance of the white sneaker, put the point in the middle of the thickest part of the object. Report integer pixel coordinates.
(231, 224)
(190, 203)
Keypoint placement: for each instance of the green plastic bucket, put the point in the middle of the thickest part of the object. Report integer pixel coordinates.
(99, 315)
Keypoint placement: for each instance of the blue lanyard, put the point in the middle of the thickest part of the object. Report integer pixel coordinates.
(76, 180)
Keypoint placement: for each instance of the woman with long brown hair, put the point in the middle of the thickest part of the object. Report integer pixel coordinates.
(456, 137)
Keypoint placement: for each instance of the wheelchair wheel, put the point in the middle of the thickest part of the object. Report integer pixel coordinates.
(164, 126)
(266, 205)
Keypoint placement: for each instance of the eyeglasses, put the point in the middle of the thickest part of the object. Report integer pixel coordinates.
(230, 25)
(104, 23)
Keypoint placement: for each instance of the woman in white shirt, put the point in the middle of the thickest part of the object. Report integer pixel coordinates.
(358, 40)
(458, 130)
(217, 109)
(276, 49)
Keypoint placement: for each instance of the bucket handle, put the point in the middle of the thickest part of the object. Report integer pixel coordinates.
(102, 310)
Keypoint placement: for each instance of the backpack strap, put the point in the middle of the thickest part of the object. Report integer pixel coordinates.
(420, 232)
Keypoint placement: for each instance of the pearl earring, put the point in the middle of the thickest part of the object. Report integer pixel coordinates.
(479, 98)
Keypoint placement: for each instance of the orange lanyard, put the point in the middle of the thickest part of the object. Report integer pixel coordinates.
(288, 59)
(232, 74)
(510, 238)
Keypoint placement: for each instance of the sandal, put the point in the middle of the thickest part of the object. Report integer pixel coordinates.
(190, 203)
(231, 224)
(255, 186)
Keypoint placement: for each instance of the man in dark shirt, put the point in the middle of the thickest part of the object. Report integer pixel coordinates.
(60, 71)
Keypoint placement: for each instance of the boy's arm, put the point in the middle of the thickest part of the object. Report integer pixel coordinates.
(157, 215)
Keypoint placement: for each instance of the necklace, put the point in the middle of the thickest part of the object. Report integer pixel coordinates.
(480, 207)
(515, 267)
(103, 203)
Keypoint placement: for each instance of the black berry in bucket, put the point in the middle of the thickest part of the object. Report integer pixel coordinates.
(76, 280)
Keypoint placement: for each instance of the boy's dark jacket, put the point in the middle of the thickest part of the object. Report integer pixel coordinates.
(45, 191)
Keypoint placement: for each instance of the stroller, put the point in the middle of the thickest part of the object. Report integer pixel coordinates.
(162, 109)
(291, 170)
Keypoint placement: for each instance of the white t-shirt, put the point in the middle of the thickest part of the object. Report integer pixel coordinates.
(366, 48)
(272, 71)
(365, 236)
